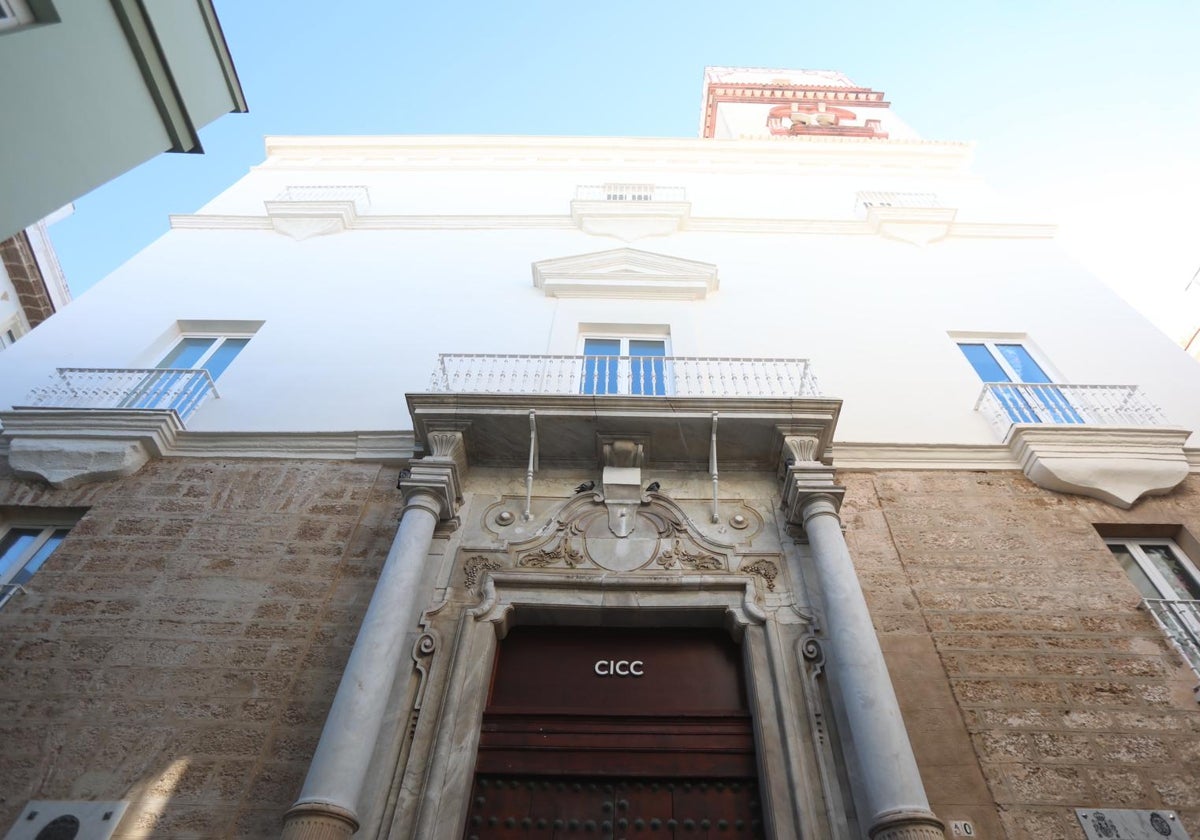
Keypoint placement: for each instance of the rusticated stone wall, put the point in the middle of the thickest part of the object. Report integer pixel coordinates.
(1030, 680)
(181, 648)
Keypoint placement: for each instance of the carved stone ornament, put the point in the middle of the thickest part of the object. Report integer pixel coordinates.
(800, 448)
(764, 569)
(561, 553)
(694, 560)
(473, 567)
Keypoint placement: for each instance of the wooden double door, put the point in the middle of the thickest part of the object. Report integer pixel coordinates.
(616, 733)
(538, 808)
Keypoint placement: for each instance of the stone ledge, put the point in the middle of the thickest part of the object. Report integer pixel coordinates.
(70, 447)
(1118, 465)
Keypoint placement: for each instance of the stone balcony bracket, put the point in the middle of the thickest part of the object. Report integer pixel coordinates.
(71, 447)
(1115, 465)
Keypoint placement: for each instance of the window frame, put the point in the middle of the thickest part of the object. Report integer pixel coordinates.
(992, 342)
(1134, 545)
(221, 338)
(47, 526)
(624, 377)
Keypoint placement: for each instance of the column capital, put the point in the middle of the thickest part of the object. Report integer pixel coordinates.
(432, 485)
(809, 489)
(439, 474)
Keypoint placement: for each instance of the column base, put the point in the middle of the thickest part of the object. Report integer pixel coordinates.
(908, 825)
(318, 821)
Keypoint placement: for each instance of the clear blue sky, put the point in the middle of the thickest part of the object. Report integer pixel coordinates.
(1055, 92)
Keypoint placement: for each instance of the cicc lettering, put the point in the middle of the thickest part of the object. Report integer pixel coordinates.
(619, 668)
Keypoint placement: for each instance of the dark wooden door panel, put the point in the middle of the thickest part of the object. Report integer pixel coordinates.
(522, 808)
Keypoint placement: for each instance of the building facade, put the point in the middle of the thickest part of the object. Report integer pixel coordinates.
(32, 284)
(781, 482)
(100, 88)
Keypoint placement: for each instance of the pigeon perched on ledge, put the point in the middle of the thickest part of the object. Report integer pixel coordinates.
(652, 487)
(586, 486)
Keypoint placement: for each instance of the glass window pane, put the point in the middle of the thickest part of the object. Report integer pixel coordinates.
(40, 557)
(223, 355)
(1165, 562)
(186, 353)
(1131, 567)
(13, 547)
(600, 374)
(985, 364)
(647, 348)
(1019, 360)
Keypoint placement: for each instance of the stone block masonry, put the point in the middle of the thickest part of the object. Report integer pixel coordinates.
(181, 648)
(1030, 680)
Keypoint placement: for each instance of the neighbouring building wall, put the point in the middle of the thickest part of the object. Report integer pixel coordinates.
(101, 87)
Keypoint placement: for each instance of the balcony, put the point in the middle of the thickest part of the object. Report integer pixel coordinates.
(629, 192)
(685, 412)
(1007, 403)
(916, 218)
(92, 424)
(647, 376)
(178, 390)
(1180, 620)
(630, 211)
(1106, 441)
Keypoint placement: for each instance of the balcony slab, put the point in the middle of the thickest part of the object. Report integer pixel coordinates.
(1118, 465)
(70, 447)
(677, 430)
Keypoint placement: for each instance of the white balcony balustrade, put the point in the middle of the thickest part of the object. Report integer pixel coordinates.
(1007, 403)
(872, 198)
(180, 390)
(678, 376)
(629, 192)
(1180, 620)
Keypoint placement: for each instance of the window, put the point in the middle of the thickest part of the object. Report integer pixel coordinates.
(619, 365)
(10, 331)
(23, 550)
(1007, 361)
(1169, 583)
(14, 13)
(178, 386)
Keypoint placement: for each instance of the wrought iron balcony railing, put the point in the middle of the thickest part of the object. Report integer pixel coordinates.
(182, 390)
(679, 376)
(1007, 403)
(1180, 620)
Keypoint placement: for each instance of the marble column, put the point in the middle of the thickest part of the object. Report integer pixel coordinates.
(329, 800)
(895, 806)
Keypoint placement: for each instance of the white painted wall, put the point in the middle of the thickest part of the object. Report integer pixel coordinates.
(355, 319)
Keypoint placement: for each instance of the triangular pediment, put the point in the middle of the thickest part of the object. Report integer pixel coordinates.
(625, 273)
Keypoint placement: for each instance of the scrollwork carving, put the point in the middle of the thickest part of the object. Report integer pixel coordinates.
(765, 569)
(694, 560)
(561, 553)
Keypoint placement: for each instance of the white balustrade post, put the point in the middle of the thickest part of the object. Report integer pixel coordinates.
(895, 806)
(329, 803)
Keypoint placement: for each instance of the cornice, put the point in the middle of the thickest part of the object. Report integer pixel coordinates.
(817, 227)
(401, 446)
(506, 153)
(923, 456)
(324, 446)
